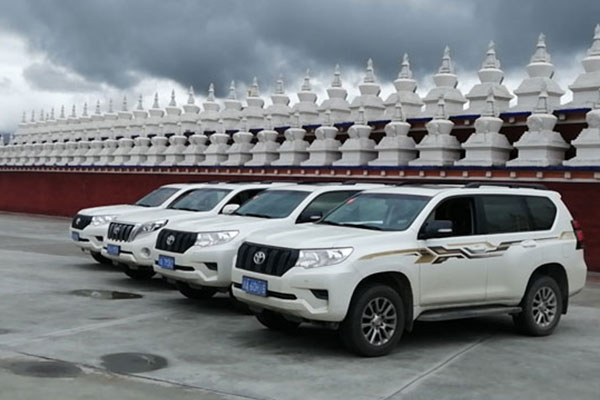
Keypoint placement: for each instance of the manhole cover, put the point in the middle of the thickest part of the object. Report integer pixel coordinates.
(44, 369)
(106, 294)
(129, 363)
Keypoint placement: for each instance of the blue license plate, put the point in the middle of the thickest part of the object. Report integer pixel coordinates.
(166, 262)
(113, 249)
(253, 286)
(75, 236)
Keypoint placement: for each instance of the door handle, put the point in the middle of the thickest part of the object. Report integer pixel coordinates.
(528, 243)
(477, 249)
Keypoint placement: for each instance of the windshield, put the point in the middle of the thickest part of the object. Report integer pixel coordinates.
(156, 198)
(377, 211)
(272, 204)
(204, 199)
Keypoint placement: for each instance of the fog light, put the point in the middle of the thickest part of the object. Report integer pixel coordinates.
(145, 252)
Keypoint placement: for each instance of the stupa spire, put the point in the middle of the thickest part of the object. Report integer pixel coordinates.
(191, 96)
(173, 103)
(361, 116)
(542, 104)
(24, 119)
(490, 109)
(447, 66)
(328, 120)
(441, 108)
(124, 108)
(279, 85)
(541, 54)
(52, 113)
(62, 113)
(370, 74)
(269, 122)
(110, 106)
(398, 113)
(73, 112)
(140, 105)
(254, 90)
(232, 94)
(155, 104)
(97, 107)
(306, 86)
(85, 110)
(41, 115)
(211, 92)
(491, 61)
(337, 77)
(405, 72)
(297, 123)
(32, 116)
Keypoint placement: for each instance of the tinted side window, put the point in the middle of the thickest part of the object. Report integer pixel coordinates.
(459, 210)
(325, 203)
(543, 212)
(244, 196)
(502, 214)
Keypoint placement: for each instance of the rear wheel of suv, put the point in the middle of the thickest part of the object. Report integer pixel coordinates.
(276, 322)
(542, 308)
(100, 258)
(139, 274)
(195, 293)
(375, 321)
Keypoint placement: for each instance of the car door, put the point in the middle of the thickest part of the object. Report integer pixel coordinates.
(450, 273)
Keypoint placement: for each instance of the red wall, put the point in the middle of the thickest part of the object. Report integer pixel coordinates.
(64, 193)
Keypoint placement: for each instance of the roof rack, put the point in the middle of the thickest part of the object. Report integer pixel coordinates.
(475, 185)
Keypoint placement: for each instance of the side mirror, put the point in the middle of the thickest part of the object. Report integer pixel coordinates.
(312, 217)
(436, 229)
(230, 208)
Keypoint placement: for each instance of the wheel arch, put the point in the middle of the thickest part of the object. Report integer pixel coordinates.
(399, 282)
(559, 274)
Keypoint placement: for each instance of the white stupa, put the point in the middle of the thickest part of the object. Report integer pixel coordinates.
(124, 117)
(540, 71)
(487, 146)
(254, 111)
(174, 153)
(406, 94)
(446, 83)
(266, 149)
(368, 99)
(216, 153)
(154, 121)
(210, 114)
(79, 158)
(586, 85)
(110, 120)
(139, 153)
(155, 155)
(44, 156)
(335, 109)
(137, 126)
(231, 114)
(60, 126)
(239, 152)
(491, 77)
(293, 150)
(396, 147)
(438, 148)
(85, 123)
(540, 146)
(73, 125)
(194, 152)
(359, 148)
(280, 111)
(122, 154)
(325, 149)
(191, 114)
(306, 108)
(170, 122)
(50, 129)
(94, 132)
(587, 144)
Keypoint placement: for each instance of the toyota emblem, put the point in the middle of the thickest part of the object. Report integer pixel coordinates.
(259, 257)
(170, 240)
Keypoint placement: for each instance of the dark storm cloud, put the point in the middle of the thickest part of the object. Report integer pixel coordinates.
(196, 42)
(51, 78)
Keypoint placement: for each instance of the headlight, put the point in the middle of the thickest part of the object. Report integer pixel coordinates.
(153, 226)
(205, 239)
(322, 257)
(102, 219)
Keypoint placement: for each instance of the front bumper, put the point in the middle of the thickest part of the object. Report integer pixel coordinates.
(318, 294)
(138, 253)
(91, 238)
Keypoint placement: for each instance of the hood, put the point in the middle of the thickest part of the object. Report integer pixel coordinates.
(111, 210)
(227, 222)
(149, 215)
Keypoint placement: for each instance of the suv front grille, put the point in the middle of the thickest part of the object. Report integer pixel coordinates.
(81, 221)
(120, 232)
(175, 241)
(277, 260)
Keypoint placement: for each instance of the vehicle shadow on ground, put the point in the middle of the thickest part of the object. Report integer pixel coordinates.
(219, 306)
(95, 266)
(124, 282)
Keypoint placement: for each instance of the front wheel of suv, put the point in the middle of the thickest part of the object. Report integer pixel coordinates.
(276, 322)
(375, 321)
(542, 308)
(139, 274)
(202, 293)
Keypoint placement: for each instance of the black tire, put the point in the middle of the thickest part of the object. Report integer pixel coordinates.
(195, 293)
(371, 303)
(276, 322)
(542, 308)
(139, 274)
(100, 258)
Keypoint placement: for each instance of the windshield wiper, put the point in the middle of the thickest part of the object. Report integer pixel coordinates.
(350, 225)
(254, 215)
(184, 209)
(329, 223)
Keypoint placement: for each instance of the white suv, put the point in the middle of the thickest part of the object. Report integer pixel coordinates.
(130, 238)
(88, 228)
(199, 256)
(390, 256)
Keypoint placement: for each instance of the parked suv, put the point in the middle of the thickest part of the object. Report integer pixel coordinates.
(88, 228)
(130, 238)
(390, 256)
(199, 257)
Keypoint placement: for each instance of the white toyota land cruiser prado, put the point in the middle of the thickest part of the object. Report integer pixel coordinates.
(390, 256)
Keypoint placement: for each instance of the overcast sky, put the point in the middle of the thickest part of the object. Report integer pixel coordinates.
(56, 52)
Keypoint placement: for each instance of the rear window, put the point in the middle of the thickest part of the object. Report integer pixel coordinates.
(543, 212)
(504, 214)
(156, 198)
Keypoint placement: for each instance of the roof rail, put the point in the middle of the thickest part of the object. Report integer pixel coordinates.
(475, 185)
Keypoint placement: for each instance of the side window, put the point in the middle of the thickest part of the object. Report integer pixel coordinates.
(244, 196)
(543, 212)
(503, 214)
(460, 211)
(324, 203)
